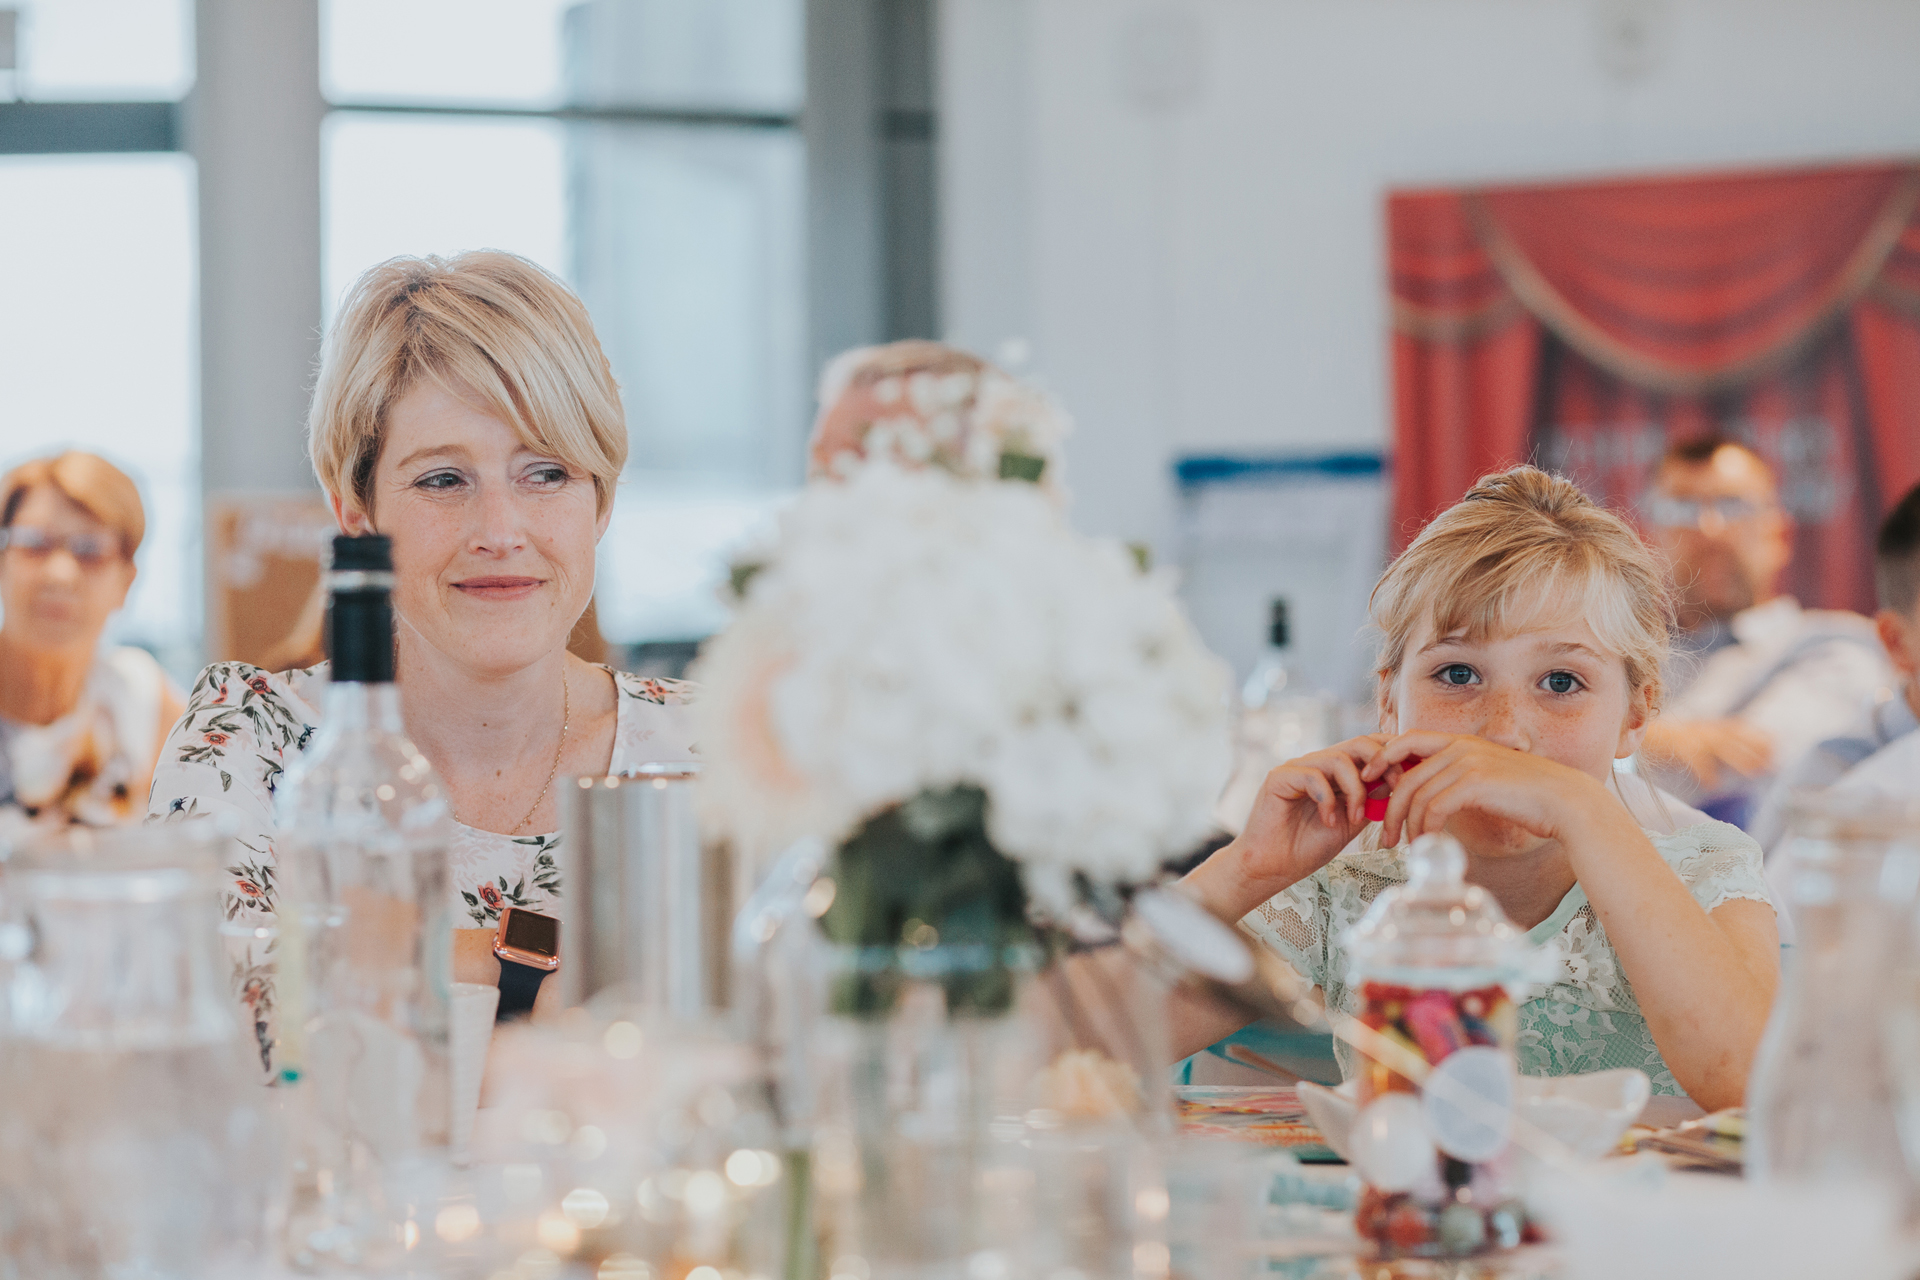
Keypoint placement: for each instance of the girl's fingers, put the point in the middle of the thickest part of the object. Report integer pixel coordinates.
(1422, 786)
(1323, 798)
(1295, 782)
(1346, 773)
(1395, 750)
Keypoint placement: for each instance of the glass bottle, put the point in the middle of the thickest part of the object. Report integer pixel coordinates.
(1434, 960)
(1826, 1091)
(366, 950)
(1281, 718)
(1279, 710)
(135, 1139)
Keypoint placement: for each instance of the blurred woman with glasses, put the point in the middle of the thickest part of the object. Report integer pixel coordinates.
(80, 725)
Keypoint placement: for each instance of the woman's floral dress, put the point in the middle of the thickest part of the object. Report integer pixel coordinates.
(243, 726)
(1586, 1018)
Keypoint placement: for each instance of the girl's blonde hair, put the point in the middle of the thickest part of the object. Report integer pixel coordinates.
(1525, 547)
(486, 325)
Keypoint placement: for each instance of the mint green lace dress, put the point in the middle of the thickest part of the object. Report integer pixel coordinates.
(1586, 1019)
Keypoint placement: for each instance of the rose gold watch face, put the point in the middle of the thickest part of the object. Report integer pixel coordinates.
(527, 937)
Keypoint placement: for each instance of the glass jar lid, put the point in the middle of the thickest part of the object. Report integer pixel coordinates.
(1436, 930)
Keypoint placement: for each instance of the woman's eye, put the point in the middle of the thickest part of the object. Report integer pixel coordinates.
(548, 475)
(440, 480)
(1457, 673)
(1562, 681)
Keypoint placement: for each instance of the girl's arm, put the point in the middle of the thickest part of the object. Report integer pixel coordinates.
(1705, 981)
(1307, 811)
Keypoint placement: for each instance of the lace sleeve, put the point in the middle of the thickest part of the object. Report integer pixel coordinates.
(1294, 923)
(1717, 862)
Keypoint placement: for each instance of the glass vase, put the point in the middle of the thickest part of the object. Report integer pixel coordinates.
(920, 1169)
(1821, 1102)
(135, 1139)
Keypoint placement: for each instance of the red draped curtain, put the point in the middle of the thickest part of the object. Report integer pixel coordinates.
(1585, 327)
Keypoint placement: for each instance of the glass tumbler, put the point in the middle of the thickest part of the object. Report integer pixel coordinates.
(135, 1139)
(1821, 1102)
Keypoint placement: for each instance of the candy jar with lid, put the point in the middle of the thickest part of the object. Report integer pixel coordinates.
(1437, 965)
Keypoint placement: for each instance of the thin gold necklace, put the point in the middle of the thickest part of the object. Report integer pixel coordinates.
(566, 717)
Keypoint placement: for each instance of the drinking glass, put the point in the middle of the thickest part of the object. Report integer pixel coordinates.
(135, 1139)
(1821, 1101)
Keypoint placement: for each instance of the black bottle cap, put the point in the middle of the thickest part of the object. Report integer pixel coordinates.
(1279, 635)
(371, 551)
(359, 626)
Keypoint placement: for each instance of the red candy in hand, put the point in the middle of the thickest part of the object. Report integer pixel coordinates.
(1377, 805)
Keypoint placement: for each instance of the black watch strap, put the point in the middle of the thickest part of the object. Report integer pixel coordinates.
(519, 984)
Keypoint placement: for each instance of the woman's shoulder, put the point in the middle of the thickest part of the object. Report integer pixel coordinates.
(243, 686)
(241, 726)
(653, 723)
(653, 690)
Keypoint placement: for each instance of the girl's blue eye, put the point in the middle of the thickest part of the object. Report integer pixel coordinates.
(1457, 673)
(1562, 681)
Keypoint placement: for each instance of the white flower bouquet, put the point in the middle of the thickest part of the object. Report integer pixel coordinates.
(981, 425)
(979, 707)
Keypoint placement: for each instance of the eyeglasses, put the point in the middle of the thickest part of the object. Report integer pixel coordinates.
(90, 549)
(1685, 513)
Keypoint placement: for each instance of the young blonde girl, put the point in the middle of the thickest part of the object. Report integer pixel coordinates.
(1524, 632)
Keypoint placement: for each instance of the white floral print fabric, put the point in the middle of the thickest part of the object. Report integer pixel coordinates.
(1586, 1018)
(244, 725)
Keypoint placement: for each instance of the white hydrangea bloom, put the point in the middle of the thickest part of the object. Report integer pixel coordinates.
(914, 631)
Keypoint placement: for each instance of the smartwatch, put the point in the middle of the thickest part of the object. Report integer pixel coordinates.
(527, 946)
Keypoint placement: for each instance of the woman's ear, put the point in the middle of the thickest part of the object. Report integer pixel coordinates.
(1383, 702)
(604, 519)
(1634, 728)
(352, 520)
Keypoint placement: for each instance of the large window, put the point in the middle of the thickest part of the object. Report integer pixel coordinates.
(97, 289)
(648, 152)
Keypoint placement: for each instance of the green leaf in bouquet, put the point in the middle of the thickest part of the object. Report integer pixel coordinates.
(920, 892)
(1022, 466)
(740, 576)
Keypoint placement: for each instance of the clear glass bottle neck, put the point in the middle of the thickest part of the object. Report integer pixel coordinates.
(352, 706)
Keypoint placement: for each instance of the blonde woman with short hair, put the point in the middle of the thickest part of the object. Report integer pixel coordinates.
(80, 723)
(1523, 633)
(463, 409)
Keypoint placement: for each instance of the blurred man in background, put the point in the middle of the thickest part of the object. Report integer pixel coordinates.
(1758, 682)
(1883, 756)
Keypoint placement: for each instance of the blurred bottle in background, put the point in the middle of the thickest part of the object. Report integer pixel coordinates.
(1281, 716)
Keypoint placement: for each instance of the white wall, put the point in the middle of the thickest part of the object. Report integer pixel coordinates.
(1179, 202)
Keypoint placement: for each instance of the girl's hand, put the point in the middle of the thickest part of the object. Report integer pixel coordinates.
(1459, 774)
(1307, 811)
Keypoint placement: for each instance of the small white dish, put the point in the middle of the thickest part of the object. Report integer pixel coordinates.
(1586, 1113)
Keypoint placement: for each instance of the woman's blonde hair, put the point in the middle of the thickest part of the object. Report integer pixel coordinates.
(87, 480)
(487, 325)
(1524, 547)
